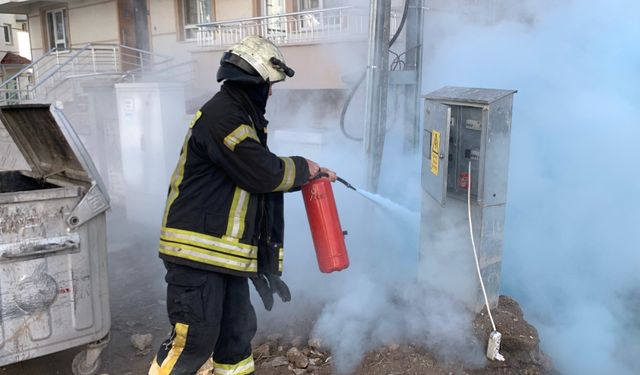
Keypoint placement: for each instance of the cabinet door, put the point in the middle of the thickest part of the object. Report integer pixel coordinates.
(436, 150)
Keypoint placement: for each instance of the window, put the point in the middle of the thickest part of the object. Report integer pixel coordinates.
(57, 29)
(8, 36)
(11, 92)
(309, 4)
(275, 25)
(317, 20)
(195, 12)
(274, 7)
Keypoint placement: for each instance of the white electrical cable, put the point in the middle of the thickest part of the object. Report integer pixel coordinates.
(475, 253)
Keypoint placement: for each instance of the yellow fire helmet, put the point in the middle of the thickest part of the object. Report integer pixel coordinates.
(257, 54)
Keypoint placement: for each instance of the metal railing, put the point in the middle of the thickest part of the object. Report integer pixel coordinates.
(300, 27)
(49, 77)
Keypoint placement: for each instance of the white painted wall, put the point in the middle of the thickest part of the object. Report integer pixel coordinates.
(162, 14)
(168, 45)
(35, 34)
(16, 27)
(317, 66)
(24, 46)
(90, 21)
(164, 22)
(93, 22)
(233, 9)
(164, 27)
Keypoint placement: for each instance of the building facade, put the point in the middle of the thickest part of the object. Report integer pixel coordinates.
(316, 35)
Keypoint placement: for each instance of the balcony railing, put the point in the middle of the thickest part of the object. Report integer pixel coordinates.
(290, 28)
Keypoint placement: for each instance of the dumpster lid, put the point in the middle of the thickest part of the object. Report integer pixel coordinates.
(49, 144)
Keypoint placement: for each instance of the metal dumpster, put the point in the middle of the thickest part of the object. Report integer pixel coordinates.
(53, 261)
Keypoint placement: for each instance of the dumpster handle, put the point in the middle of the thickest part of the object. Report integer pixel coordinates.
(67, 245)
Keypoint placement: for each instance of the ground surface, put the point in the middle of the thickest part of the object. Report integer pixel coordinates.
(520, 346)
(137, 303)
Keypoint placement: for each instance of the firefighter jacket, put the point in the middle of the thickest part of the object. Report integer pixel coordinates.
(224, 210)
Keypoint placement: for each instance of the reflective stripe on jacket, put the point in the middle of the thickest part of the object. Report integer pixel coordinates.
(224, 207)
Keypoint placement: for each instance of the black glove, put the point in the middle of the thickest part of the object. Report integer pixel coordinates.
(279, 286)
(268, 284)
(262, 287)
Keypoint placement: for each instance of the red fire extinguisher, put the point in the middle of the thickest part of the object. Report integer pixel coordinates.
(328, 237)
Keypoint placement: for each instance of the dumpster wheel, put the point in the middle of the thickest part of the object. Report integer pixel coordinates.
(88, 361)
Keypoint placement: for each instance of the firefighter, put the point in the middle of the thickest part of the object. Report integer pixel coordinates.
(223, 222)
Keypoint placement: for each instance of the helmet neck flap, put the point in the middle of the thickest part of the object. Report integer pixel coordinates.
(253, 86)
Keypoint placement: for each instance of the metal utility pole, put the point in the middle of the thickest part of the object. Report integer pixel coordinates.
(413, 53)
(377, 87)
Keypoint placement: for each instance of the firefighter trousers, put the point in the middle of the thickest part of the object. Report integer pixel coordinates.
(212, 319)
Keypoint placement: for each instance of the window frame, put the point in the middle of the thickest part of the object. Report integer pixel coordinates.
(309, 22)
(183, 27)
(302, 9)
(8, 32)
(265, 8)
(48, 32)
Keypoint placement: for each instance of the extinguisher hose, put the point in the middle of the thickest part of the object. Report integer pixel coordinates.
(339, 179)
(475, 253)
(345, 183)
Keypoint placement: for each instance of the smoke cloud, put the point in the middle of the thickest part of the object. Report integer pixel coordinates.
(377, 300)
(569, 257)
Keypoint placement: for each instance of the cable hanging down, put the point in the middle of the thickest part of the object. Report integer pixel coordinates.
(347, 102)
(493, 346)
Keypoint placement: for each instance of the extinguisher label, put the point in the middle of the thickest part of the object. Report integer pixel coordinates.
(315, 194)
(435, 152)
(463, 180)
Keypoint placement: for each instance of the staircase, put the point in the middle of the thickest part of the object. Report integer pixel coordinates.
(54, 76)
(81, 82)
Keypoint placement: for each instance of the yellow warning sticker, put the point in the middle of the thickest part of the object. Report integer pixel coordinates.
(435, 152)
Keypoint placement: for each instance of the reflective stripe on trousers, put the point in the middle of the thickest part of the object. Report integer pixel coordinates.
(212, 318)
(243, 367)
(175, 346)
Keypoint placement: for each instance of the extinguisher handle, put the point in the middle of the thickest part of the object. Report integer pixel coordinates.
(319, 175)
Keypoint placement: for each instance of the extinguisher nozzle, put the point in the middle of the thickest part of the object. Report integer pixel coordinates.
(341, 180)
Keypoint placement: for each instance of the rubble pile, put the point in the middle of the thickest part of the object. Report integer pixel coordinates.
(520, 342)
(293, 354)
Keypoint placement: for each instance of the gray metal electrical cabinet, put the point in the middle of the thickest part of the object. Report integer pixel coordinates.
(53, 256)
(464, 126)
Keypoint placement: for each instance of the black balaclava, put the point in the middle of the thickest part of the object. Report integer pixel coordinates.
(249, 82)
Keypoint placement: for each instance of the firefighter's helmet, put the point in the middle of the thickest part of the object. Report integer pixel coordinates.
(255, 54)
